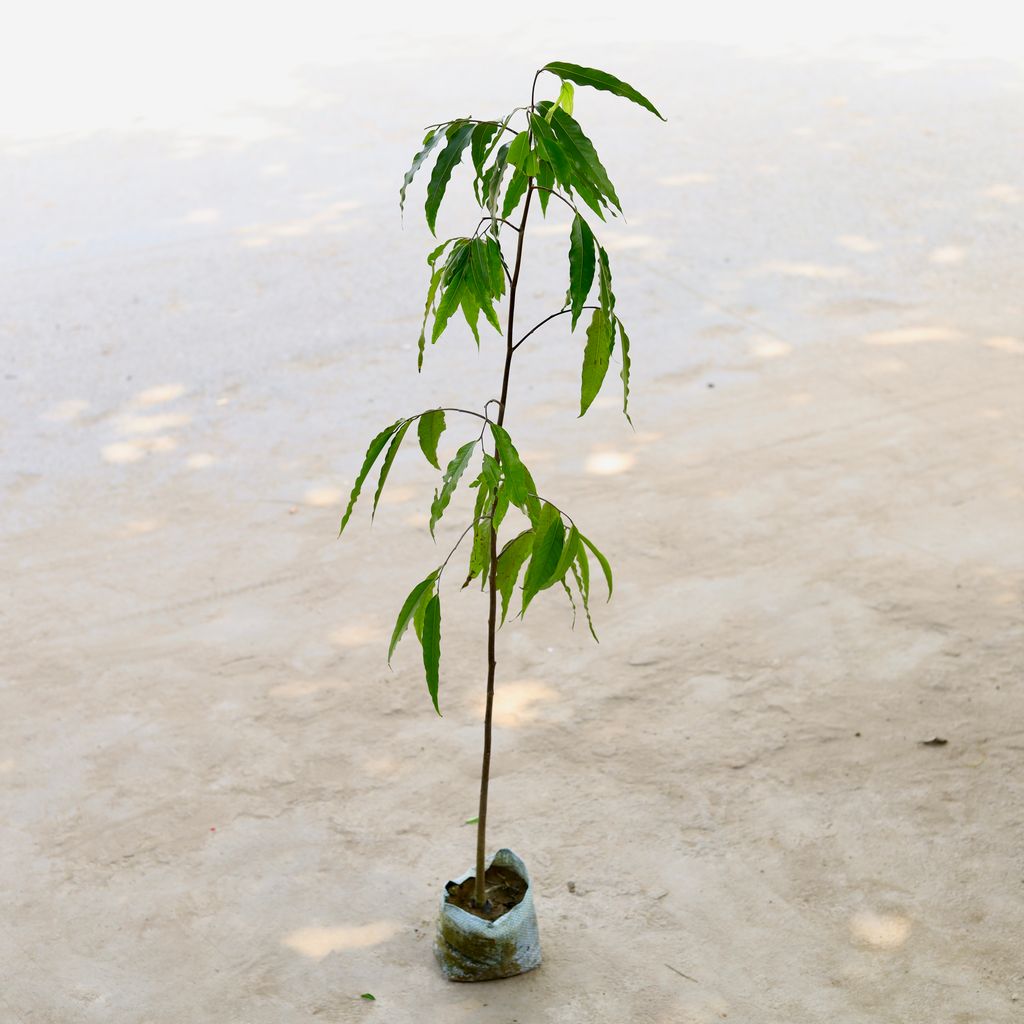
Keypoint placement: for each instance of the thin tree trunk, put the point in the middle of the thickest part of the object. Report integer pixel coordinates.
(479, 888)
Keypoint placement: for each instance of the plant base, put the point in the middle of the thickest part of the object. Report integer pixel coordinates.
(471, 948)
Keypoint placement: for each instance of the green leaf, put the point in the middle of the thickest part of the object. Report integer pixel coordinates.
(584, 566)
(396, 443)
(471, 821)
(567, 557)
(429, 430)
(605, 567)
(480, 552)
(566, 97)
(369, 996)
(409, 609)
(449, 482)
(582, 263)
(515, 191)
(580, 152)
(496, 267)
(446, 163)
(519, 150)
(547, 549)
(491, 185)
(420, 611)
(584, 587)
(550, 150)
(545, 182)
(595, 358)
(432, 647)
(481, 281)
(452, 282)
(432, 139)
(376, 447)
(479, 148)
(568, 594)
(435, 280)
(600, 80)
(510, 562)
(604, 275)
(624, 339)
(515, 471)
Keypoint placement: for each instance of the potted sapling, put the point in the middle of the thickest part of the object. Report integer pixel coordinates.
(537, 157)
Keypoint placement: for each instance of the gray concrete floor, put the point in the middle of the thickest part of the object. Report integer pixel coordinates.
(216, 802)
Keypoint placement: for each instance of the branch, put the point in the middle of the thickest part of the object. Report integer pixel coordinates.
(462, 537)
(561, 312)
(558, 195)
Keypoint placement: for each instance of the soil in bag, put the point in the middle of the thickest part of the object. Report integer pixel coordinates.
(503, 889)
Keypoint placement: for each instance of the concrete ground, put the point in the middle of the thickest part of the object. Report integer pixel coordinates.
(218, 805)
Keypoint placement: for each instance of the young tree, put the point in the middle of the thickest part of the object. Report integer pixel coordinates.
(538, 150)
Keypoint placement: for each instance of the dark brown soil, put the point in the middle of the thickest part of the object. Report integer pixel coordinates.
(503, 890)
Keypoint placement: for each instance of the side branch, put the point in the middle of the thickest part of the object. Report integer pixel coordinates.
(561, 312)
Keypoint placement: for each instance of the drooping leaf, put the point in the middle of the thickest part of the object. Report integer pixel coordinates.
(433, 137)
(547, 548)
(566, 96)
(470, 307)
(481, 281)
(600, 80)
(605, 567)
(545, 184)
(420, 611)
(491, 471)
(567, 557)
(595, 358)
(491, 185)
(510, 562)
(582, 263)
(568, 594)
(458, 140)
(376, 447)
(581, 154)
(449, 482)
(583, 588)
(429, 430)
(550, 150)
(389, 458)
(432, 647)
(519, 150)
(515, 191)
(515, 471)
(604, 275)
(408, 610)
(624, 342)
(479, 148)
(452, 282)
(480, 551)
(496, 267)
(435, 280)
(584, 567)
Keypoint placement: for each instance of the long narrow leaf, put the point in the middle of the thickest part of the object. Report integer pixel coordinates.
(431, 140)
(595, 358)
(600, 80)
(624, 340)
(449, 482)
(446, 163)
(429, 431)
(605, 567)
(547, 549)
(510, 563)
(372, 453)
(385, 468)
(582, 264)
(408, 610)
(432, 647)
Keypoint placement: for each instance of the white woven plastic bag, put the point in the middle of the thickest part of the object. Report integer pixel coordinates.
(468, 948)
